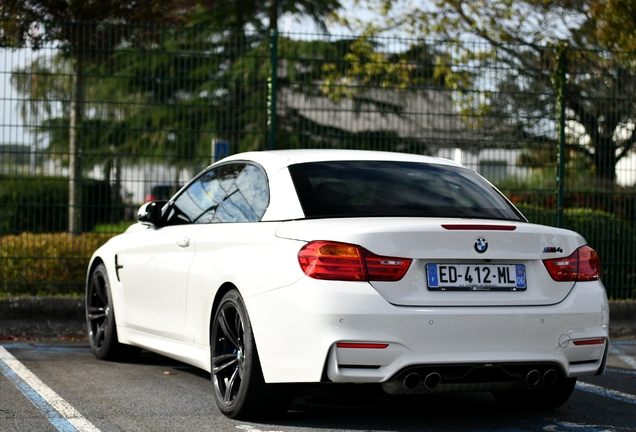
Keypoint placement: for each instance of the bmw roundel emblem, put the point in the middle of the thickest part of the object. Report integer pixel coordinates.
(481, 245)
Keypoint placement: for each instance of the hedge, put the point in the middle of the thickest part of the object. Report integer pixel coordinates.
(40, 204)
(613, 239)
(46, 264)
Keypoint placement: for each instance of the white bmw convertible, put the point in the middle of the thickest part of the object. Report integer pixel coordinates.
(320, 266)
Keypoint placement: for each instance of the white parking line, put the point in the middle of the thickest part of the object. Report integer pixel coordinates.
(617, 352)
(602, 391)
(621, 371)
(57, 411)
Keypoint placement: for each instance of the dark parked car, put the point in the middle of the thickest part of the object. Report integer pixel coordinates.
(162, 192)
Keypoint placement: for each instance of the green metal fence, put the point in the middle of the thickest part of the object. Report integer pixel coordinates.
(106, 116)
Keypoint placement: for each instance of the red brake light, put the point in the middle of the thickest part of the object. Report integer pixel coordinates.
(583, 265)
(478, 227)
(336, 261)
(362, 345)
(347, 262)
(589, 264)
(589, 342)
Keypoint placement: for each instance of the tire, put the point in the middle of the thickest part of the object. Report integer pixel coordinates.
(100, 320)
(546, 397)
(240, 390)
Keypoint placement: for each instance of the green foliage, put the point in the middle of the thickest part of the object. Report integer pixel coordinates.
(539, 188)
(46, 264)
(40, 204)
(616, 23)
(67, 21)
(360, 64)
(254, 13)
(112, 228)
(610, 236)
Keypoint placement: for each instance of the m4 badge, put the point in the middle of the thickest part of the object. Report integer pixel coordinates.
(550, 249)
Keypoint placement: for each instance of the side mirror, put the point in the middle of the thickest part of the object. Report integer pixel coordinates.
(150, 213)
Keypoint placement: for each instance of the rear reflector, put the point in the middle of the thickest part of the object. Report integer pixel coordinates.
(479, 227)
(362, 345)
(583, 265)
(589, 342)
(347, 262)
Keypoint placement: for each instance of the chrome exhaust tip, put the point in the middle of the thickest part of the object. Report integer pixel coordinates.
(550, 377)
(533, 377)
(410, 381)
(432, 380)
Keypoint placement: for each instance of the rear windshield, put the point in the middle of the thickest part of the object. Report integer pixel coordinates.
(383, 188)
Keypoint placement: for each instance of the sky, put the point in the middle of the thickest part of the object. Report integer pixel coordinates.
(11, 131)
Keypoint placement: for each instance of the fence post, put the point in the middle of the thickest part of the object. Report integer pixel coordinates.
(272, 88)
(560, 88)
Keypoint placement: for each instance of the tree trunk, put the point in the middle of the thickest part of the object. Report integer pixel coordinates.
(273, 15)
(605, 159)
(75, 150)
(116, 196)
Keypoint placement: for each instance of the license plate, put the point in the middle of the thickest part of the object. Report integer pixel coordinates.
(476, 277)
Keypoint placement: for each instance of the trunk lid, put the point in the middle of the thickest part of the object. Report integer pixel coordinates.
(454, 250)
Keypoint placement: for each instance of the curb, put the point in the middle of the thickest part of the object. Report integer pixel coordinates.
(37, 318)
(42, 307)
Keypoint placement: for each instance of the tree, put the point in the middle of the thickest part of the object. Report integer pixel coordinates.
(88, 32)
(240, 13)
(190, 96)
(524, 36)
(616, 23)
(77, 25)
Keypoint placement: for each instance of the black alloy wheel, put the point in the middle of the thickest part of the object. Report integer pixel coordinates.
(100, 319)
(229, 353)
(239, 387)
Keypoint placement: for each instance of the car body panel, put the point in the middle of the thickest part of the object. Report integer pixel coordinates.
(155, 263)
(221, 259)
(294, 347)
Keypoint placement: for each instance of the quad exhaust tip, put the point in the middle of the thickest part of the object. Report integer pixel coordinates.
(550, 377)
(533, 378)
(412, 380)
(432, 380)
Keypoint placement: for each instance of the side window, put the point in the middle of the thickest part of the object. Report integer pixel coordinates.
(229, 193)
(248, 199)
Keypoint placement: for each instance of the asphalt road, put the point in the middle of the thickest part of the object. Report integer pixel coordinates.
(158, 394)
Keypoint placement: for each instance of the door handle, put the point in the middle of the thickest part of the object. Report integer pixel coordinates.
(184, 242)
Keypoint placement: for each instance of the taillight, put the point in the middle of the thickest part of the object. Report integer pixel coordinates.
(347, 262)
(583, 265)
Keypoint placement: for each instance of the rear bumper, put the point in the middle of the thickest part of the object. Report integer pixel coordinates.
(300, 344)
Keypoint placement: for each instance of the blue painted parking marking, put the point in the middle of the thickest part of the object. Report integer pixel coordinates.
(55, 409)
